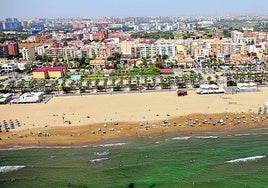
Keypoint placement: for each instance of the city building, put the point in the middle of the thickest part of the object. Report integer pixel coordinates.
(28, 54)
(13, 49)
(9, 66)
(12, 24)
(49, 72)
(3, 51)
(165, 48)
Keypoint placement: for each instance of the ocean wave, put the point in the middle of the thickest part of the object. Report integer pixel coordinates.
(181, 138)
(104, 153)
(207, 137)
(110, 145)
(98, 160)
(4, 169)
(245, 134)
(260, 129)
(253, 158)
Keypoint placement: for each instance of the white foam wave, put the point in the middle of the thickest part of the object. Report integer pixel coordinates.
(98, 160)
(102, 153)
(253, 158)
(245, 134)
(181, 138)
(207, 137)
(4, 169)
(110, 145)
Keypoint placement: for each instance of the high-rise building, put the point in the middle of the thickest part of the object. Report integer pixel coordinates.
(13, 49)
(1, 27)
(12, 24)
(3, 51)
(28, 54)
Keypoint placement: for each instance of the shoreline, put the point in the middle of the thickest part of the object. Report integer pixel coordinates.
(82, 136)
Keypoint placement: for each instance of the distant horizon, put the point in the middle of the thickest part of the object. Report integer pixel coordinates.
(53, 9)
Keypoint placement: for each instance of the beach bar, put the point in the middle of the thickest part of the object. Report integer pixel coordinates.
(247, 87)
(209, 89)
(5, 98)
(32, 97)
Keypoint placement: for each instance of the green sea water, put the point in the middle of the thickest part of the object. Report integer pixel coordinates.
(163, 161)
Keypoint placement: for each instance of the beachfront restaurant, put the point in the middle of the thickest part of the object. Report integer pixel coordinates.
(247, 87)
(32, 97)
(5, 98)
(209, 89)
(49, 72)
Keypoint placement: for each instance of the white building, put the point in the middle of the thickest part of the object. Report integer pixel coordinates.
(40, 50)
(28, 54)
(236, 35)
(33, 97)
(167, 49)
(147, 50)
(256, 48)
(9, 66)
(5, 98)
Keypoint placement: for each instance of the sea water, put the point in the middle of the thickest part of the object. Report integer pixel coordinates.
(219, 159)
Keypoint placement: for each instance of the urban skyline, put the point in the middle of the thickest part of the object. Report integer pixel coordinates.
(122, 8)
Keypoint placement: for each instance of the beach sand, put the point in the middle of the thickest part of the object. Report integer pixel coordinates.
(76, 120)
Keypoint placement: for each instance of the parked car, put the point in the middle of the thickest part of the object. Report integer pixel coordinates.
(181, 92)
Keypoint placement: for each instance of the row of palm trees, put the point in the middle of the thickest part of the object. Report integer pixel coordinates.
(85, 84)
(241, 77)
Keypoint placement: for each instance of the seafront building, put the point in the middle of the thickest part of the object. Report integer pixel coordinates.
(32, 97)
(49, 72)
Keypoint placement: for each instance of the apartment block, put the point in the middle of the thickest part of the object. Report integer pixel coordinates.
(28, 54)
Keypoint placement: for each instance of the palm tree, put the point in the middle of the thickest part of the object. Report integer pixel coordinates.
(63, 84)
(105, 81)
(42, 85)
(121, 82)
(209, 78)
(154, 80)
(200, 78)
(192, 78)
(113, 81)
(55, 86)
(97, 81)
(21, 85)
(89, 82)
(1, 86)
(138, 80)
(10, 86)
(80, 84)
(32, 84)
(129, 80)
(217, 77)
(145, 80)
(72, 85)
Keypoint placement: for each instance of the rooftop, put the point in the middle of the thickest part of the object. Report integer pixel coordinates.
(51, 69)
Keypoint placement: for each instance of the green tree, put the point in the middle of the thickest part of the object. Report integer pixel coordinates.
(89, 83)
(209, 78)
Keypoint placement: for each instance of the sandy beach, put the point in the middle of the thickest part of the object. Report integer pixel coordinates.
(75, 120)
